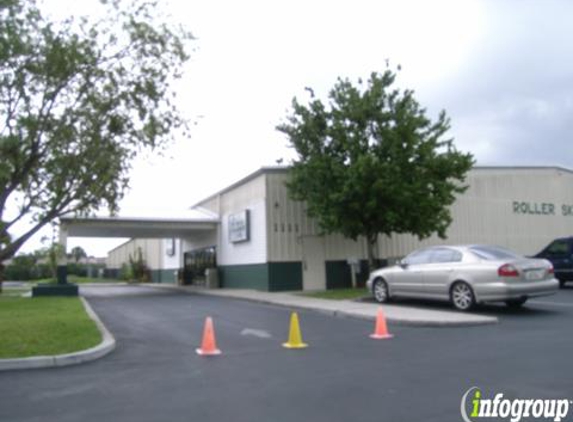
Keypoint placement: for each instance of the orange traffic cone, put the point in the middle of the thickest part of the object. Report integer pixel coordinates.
(381, 330)
(209, 345)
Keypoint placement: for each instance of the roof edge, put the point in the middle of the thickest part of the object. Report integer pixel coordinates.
(284, 169)
(248, 178)
(524, 167)
(73, 219)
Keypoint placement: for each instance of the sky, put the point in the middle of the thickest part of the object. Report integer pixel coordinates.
(502, 70)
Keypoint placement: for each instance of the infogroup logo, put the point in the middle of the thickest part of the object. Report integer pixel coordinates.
(474, 407)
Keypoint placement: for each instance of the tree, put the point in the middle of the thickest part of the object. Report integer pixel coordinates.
(370, 162)
(79, 99)
(78, 253)
(138, 268)
(54, 252)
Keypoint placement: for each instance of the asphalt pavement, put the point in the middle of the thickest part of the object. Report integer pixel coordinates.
(407, 313)
(154, 373)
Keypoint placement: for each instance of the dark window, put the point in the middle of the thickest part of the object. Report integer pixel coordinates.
(197, 261)
(558, 248)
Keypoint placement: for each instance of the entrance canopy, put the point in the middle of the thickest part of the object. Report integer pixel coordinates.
(137, 227)
(187, 227)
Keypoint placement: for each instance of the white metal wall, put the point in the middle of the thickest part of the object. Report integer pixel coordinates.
(212, 204)
(171, 262)
(249, 195)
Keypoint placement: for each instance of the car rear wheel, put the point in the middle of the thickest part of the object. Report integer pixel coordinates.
(462, 296)
(380, 290)
(516, 303)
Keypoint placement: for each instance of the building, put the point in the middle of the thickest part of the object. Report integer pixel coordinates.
(261, 239)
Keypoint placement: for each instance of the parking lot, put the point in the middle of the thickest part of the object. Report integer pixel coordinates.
(420, 374)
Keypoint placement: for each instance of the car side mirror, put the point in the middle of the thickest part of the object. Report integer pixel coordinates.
(403, 263)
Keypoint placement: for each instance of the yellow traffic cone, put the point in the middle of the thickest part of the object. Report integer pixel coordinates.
(294, 336)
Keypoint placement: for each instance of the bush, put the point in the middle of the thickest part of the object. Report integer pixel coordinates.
(139, 270)
(22, 268)
(126, 273)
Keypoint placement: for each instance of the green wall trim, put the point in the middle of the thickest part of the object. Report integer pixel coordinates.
(269, 276)
(164, 276)
(338, 274)
(248, 276)
(285, 276)
(59, 289)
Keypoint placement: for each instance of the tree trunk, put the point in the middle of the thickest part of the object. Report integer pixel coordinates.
(1, 275)
(371, 241)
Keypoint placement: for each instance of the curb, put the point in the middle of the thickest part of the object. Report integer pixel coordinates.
(423, 323)
(362, 316)
(341, 313)
(106, 346)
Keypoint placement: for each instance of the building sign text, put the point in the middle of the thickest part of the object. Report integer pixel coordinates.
(239, 227)
(541, 208)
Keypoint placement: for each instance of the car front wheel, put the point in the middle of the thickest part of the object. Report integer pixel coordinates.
(380, 290)
(462, 296)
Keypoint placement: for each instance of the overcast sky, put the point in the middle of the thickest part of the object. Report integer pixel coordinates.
(502, 70)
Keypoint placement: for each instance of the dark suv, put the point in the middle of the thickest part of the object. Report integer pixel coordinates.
(560, 253)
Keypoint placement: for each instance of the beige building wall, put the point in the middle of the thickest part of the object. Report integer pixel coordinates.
(289, 226)
(151, 249)
(521, 208)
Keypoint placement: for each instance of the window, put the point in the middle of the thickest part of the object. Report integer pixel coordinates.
(446, 255)
(197, 261)
(493, 253)
(419, 257)
(558, 247)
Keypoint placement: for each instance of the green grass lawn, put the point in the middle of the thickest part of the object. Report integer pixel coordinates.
(81, 280)
(339, 294)
(44, 326)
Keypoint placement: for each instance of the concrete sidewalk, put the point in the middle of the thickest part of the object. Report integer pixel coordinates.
(397, 314)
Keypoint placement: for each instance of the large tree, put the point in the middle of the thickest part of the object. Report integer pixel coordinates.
(78, 253)
(371, 162)
(79, 99)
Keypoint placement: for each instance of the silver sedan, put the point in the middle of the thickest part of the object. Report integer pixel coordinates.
(465, 275)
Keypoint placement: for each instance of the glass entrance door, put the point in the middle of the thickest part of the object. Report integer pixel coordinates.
(196, 262)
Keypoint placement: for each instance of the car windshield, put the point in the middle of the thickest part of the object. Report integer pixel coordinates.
(493, 253)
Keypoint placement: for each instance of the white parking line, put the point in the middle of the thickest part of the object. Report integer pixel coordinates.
(538, 302)
(256, 333)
